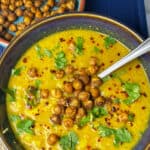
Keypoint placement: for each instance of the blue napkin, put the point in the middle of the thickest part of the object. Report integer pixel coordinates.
(128, 12)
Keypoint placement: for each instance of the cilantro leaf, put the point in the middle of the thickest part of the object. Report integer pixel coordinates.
(131, 117)
(69, 141)
(117, 101)
(37, 83)
(122, 135)
(14, 117)
(105, 131)
(16, 71)
(109, 41)
(60, 60)
(11, 93)
(96, 49)
(79, 45)
(47, 53)
(105, 79)
(38, 51)
(99, 111)
(133, 91)
(25, 126)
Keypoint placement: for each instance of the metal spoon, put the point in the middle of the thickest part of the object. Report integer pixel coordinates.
(140, 50)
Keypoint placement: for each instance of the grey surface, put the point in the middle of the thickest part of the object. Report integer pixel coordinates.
(147, 8)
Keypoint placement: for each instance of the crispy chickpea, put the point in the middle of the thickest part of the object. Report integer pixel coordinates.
(50, 3)
(72, 46)
(63, 102)
(12, 1)
(8, 36)
(13, 28)
(60, 10)
(11, 17)
(99, 101)
(74, 102)
(19, 12)
(6, 24)
(76, 93)
(5, 2)
(70, 5)
(19, 3)
(52, 139)
(21, 26)
(58, 109)
(87, 88)
(83, 96)
(68, 87)
(46, 14)
(77, 84)
(37, 3)
(82, 71)
(93, 69)
(12, 7)
(1, 28)
(38, 14)
(45, 8)
(60, 74)
(70, 112)
(95, 92)
(4, 7)
(93, 61)
(55, 119)
(69, 69)
(28, 4)
(80, 113)
(68, 122)
(27, 20)
(96, 82)
(2, 19)
(57, 93)
(44, 93)
(84, 78)
(33, 9)
(88, 104)
(5, 13)
(123, 117)
(33, 72)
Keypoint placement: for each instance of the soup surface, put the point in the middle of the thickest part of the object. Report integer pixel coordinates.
(55, 100)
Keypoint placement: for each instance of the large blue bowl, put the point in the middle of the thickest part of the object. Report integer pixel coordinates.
(49, 26)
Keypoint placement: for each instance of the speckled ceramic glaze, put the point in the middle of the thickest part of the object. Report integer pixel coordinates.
(49, 26)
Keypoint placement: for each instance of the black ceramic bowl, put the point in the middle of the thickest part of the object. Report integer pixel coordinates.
(49, 26)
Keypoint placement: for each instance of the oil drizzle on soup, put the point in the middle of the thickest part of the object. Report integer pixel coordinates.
(55, 101)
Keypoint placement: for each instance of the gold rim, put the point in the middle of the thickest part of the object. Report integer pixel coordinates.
(28, 29)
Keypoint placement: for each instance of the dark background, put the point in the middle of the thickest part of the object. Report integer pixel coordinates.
(128, 12)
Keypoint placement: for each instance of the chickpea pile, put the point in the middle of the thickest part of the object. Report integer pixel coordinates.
(77, 96)
(30, 10)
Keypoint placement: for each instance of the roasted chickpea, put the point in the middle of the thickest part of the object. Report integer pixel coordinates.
(5, 13)
(58, 109)
(44, 93)
(93, 69)
(93, 61)
(50, 3)
(70, 112)
(28, 4)
(33, 72)
(68, 87)
(45, 8)
(60, 74)
(55, 119)
(12, 7)
(5, 2)
(76, 93)
(11, 17)
(72, 46)
(27, 20)
(60, 10)
(87, 88)
(4, 7)
(123, 117)
(99, 101)
(69, 69)
(96, 82)
(57, 93)
(12, 1)
(33, 9)
(13, 27)
(77, 84)
(83, 96)
(80, 113)
(84, 78)
(46, 14)
(37, 3)
(19, 3)
(2, 19)
(19, 12)
(82, 71)
(68, 122)
(21, 26)
(38, 14)
(70, 5)
(74, 102)
(52, 139)
(1, 28)
(88, 104)
(6, 24)
(8, 36)
(63, 102)
(95, 92)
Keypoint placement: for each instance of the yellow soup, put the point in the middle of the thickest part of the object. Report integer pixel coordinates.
(55, 100)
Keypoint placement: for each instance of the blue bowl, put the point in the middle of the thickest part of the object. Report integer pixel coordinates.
(49, 26)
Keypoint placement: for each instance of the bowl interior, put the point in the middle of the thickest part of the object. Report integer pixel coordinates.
(49, 26)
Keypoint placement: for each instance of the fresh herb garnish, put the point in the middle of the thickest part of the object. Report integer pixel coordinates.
(96, 49)
(25, 126)
(69, 141)
(14, 118)
(121, 135)
(79, 45)
(117, 101)
(47, 53)
(99, 111)
(105, 79)
(16, 71)
(11, 93)
(131, 117)
(133, 91)
(60, 60)
(37, 83)
(109, 41)
(38, 51)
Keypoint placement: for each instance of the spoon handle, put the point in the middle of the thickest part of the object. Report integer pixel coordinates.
(140, 50)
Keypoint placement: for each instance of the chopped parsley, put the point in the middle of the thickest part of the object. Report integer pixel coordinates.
(79, 45)
(96, 49)
(60, 60)
(109, 41)
(48, 53)
(14, 118)
(69, 141)
(121, 135)
(38, 51)
(11, 93)
(105, 79)
(16, 71)
(133, 91)
(131, 117)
